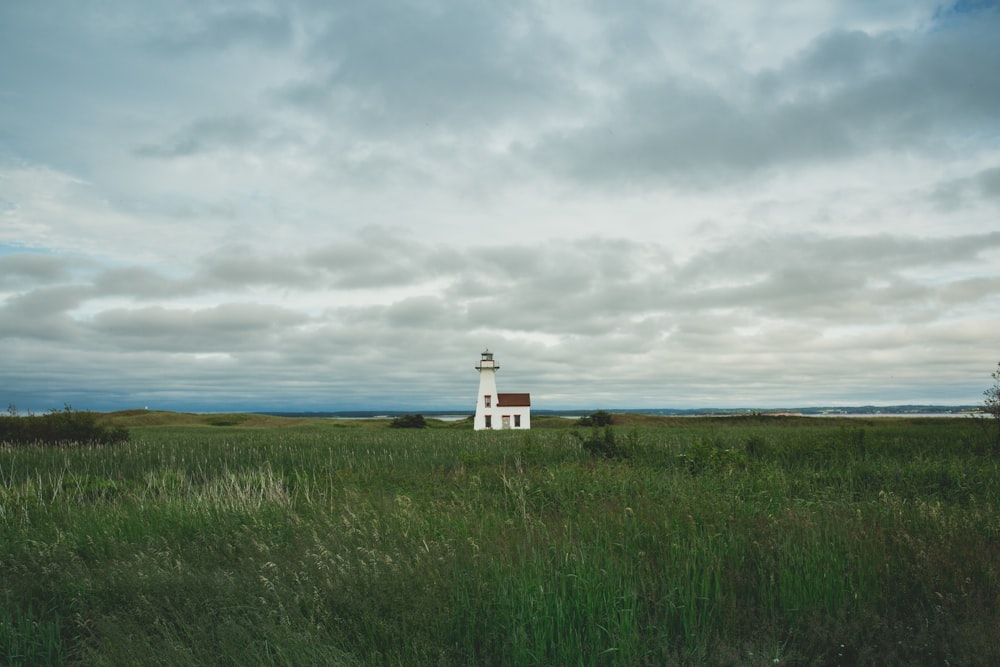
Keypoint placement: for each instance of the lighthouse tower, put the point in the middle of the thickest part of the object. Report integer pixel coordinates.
(496, 410)
(487, 398)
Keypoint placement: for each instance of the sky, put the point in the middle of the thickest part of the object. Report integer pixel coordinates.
(308, 205)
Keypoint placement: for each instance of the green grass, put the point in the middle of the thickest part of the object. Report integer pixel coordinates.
(242, 539)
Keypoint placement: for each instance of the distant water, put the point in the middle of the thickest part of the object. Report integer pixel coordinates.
(861, 411)
(895, 414)
(444, 418)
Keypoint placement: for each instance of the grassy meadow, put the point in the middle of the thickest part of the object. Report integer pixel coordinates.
(252, 540)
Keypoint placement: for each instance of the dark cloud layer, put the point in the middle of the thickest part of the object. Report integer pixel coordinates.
(849, 93)
(627, 304)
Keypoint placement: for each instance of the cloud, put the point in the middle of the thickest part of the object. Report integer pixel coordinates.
(225, 328)
(392, 68)
(622, 304)
(204, 135)
(138, 282)
(190, 33)
(42, 313)
(648, 203)
(847, 94)
(241, 265)
(379, 258)
(21, 270)
(981, 187)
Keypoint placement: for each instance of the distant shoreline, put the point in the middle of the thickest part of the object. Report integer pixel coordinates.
(853, 411)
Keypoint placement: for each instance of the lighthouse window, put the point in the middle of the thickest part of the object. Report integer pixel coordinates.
(487, 399)
(489, 421)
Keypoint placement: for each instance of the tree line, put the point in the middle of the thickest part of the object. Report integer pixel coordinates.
(58, 427)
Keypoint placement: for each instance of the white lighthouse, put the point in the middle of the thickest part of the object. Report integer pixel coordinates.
(495, 410)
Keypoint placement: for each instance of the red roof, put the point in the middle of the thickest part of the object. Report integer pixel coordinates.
(513, 400)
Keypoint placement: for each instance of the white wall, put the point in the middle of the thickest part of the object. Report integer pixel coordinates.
(497, 415)
(487, 387)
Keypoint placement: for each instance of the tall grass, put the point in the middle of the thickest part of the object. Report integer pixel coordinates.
(704, 542)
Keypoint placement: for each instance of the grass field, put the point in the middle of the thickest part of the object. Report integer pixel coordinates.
(251, 540)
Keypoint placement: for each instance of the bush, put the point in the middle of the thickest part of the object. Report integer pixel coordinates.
(408, 421)
(599, 418)
(601, 444)
(991, 405)
(59, 427)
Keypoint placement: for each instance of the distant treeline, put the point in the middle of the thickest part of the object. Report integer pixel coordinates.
(58, 427)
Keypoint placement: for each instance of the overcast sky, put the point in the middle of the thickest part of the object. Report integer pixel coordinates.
(318, 205)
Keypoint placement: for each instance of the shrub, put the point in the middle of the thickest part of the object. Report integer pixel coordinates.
(599, 418)
(601, 444)
(59, 427)
(991, 405)
(408, 421)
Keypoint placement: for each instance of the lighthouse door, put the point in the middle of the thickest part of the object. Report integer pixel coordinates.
(506, 421)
